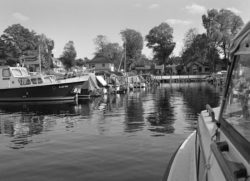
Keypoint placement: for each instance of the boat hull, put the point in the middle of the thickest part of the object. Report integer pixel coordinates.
(51, 92)
(182, 165)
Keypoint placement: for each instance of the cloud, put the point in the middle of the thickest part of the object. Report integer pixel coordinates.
(20, 16)
(234, 10)
(153, 6)
(178, 22)
(196, 9)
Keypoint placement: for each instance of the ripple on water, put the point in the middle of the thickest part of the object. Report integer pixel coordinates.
(125, 137)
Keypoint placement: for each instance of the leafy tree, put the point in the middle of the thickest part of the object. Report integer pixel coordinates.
(100, 41)
(69, 55)
(45, 47)
(133, 44)
(160, 39)
(221, 27)
(112, 51)
(199, 51)
(189, 37)
(143, 60)
(80, 62)
(17, 41)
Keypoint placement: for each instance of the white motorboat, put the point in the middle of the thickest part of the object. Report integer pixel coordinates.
(17, 85)
(219, 149)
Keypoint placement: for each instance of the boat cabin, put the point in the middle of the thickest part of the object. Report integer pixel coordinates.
(15, 77)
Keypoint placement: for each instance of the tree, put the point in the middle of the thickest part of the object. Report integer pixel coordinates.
(45, 47)
(17, 41)
(112, 51)
(189, 37)
(69, 55)
(221, 27)
(229, 25)
(100, 41)
(80, 62)
(199, 51)
(133, 44)
(143, 60)
(160, 39)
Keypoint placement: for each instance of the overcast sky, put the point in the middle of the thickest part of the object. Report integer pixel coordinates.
(82, 20)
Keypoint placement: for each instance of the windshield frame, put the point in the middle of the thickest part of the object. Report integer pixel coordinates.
(241, 143)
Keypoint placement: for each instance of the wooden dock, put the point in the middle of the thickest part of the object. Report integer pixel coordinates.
(180, 78)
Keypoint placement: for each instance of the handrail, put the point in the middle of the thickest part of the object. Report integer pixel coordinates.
(239, 141)
(228, 173)
(211, 112)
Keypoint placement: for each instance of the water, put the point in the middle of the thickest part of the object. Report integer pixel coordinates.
(121, 137)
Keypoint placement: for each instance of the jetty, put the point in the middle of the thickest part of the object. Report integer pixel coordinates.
(180, 78)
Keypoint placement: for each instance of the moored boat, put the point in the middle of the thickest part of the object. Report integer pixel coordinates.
(17, 85)
(220, 147)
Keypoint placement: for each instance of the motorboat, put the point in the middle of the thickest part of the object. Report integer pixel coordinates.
(219, 149)
(17, 85)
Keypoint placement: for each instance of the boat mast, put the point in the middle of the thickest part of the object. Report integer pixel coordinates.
(125, 61)
(39, 59)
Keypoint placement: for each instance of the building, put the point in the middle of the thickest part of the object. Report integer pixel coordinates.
(150, 69)
(58, 66)
(197, 67)
(101, 63)
(143, 69)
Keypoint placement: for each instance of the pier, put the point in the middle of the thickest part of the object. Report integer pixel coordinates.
(180, 78)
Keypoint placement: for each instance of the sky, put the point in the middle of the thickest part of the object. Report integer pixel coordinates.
(82, 20)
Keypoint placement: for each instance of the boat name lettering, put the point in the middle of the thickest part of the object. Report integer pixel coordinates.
(63, 86)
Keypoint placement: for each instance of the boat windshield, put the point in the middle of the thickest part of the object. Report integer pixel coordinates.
(237, 108)
(19, 72)
(24, 72)
(16, 72)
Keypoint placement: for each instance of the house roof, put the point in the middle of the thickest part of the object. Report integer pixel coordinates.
(197, 63)
(100, 59)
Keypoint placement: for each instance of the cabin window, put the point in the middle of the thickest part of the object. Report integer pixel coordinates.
(36, 80)
(6, 73)
(24, 72)
(47, 80)
(24, 81)
(16, 72)
(237, 108)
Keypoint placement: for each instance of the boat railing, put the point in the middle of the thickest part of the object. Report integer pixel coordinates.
(211, 112)
(232, 171)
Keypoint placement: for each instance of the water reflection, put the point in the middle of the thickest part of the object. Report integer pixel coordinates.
(171, 108)
(162, 118)
(21, 121)
(134, 112)
(112, 134)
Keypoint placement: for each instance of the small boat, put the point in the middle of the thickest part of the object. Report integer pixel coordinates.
(219, 149)
(17, 85)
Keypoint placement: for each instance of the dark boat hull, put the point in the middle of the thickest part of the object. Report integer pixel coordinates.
(52, 92)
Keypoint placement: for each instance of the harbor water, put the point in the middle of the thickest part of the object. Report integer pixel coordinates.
(115, 138)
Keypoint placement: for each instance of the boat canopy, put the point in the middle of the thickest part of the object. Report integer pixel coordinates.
(101, 80)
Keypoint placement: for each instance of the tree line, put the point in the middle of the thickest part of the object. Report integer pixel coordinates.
(220, 25)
